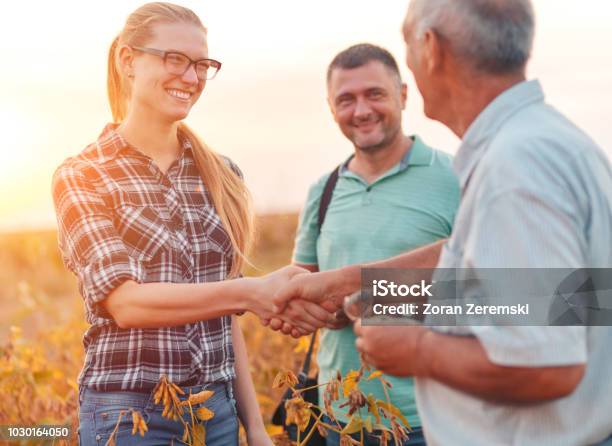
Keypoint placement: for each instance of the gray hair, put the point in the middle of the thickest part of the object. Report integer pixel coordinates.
(494, 36)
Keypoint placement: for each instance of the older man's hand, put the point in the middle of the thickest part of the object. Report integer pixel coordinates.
(300, 318)
(327, 289)
(396, 350)
(288, 324)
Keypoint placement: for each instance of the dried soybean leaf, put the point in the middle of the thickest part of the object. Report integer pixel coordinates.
(199, 434)
(135, 421)
(394, 411)
(354, 425)
(374, 374)
(284, 377)
(198, 398)
(204, 414)
(350, 382)
(177, 389)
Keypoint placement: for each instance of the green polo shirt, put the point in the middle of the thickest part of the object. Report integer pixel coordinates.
(411, 205)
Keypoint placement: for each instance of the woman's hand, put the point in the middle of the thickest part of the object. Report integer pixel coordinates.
(258, 437)
(299, 317)
(263, 289)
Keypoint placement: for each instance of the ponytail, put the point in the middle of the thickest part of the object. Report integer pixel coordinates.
(229, 196)
(114, 85)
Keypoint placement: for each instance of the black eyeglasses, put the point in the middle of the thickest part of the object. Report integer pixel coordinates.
(178, 63)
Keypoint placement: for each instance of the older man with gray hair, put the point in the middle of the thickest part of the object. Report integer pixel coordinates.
(536, 193)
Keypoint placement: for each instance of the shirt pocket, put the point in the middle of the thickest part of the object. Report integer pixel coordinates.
(143, 232)
(209, 235)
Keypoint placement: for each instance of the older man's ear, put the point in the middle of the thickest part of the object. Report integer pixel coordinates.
(433, 50)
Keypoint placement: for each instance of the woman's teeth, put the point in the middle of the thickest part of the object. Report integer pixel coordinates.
(178, 93)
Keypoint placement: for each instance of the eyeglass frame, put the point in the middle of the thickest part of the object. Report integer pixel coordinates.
(164, 54)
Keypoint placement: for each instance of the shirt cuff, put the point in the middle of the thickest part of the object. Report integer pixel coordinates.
(533, 346)
(99, 278)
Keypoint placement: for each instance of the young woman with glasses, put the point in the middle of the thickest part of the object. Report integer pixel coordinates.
(153, 223)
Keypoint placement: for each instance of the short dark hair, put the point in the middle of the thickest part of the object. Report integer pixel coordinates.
(358, 55)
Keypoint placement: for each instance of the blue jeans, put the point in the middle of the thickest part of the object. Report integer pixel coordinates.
(415, 437)
(99, 411)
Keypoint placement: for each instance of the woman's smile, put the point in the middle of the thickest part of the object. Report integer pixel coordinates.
(181, 95)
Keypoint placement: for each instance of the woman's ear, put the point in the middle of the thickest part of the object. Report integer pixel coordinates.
(125, 58)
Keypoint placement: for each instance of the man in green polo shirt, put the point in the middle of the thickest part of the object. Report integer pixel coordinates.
(392, 195)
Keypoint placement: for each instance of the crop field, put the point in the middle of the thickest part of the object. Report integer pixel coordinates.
(42, 323)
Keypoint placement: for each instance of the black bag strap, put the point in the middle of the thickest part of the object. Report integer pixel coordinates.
(306, 367)
(326, 197)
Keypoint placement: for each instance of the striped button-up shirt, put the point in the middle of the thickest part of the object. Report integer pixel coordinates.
(120, 218)
(537, 193)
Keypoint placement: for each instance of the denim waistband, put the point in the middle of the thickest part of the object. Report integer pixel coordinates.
(127, 397)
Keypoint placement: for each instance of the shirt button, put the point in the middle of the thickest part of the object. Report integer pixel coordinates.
(98, 437)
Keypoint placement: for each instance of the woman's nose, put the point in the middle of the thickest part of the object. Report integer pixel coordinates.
(190, 76)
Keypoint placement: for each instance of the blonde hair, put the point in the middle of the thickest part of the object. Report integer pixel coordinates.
(228, 192)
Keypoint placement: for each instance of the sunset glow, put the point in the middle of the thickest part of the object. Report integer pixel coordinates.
(266, 109)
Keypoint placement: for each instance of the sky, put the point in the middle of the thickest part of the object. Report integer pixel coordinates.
(267, 108)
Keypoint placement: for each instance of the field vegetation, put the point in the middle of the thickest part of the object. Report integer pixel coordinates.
(42, 322)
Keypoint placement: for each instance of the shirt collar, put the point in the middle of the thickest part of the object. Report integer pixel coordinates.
(488, 122)
(110, 144)
(418, 155)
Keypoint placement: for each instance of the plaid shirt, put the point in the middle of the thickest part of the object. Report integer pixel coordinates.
(120, 218)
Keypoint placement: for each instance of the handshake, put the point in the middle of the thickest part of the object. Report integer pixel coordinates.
(297, 302)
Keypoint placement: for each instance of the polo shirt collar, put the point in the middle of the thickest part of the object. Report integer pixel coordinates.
(418, 155)
(488, 122)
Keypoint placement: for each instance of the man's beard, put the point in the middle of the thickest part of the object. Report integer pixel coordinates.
(373, 148)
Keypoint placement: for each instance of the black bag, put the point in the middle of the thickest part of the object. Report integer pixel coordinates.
(310, 395)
